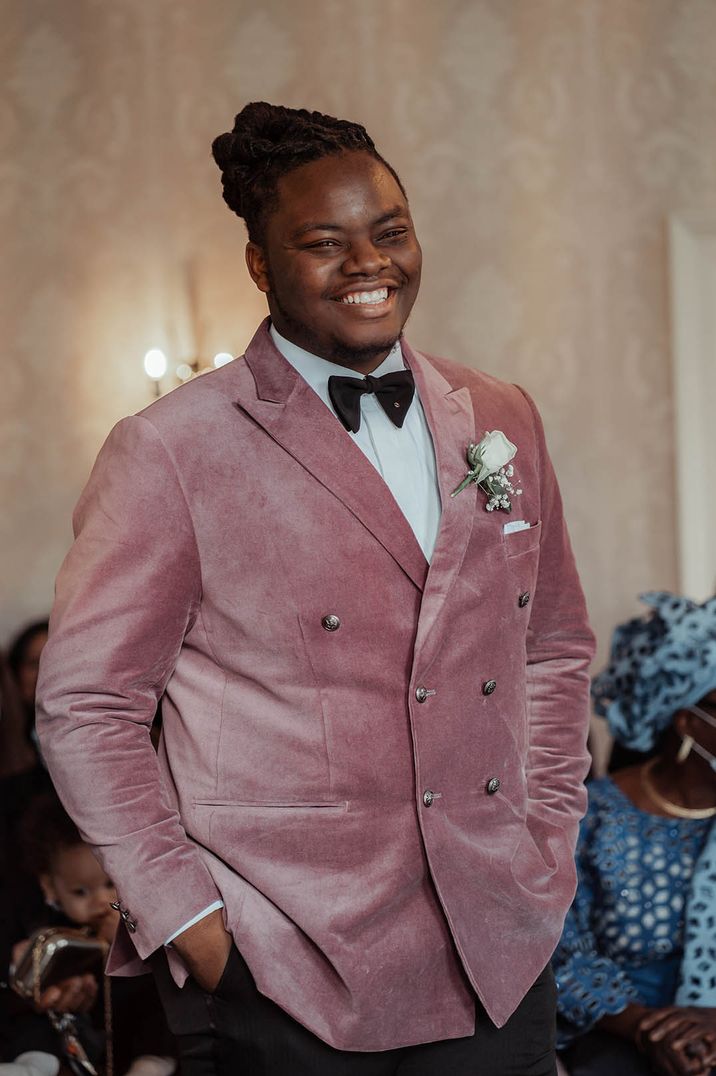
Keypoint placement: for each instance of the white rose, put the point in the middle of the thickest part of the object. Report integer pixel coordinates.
(495, 452)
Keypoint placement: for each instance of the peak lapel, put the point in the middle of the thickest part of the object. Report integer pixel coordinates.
(276, 397)
(451, 420)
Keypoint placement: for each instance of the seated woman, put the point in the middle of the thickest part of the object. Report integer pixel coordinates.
(636, 964)
(22, 775)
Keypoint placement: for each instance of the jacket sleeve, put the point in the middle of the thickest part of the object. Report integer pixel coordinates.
(127, 593)
(560, 647)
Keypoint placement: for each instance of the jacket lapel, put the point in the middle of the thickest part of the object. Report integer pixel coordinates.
(276, 397)
(451, 420)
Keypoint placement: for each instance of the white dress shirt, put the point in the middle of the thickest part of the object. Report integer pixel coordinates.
(404, 458)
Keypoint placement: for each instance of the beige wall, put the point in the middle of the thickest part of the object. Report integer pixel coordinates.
(543, 143)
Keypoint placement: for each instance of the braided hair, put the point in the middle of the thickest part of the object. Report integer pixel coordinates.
(267, 142)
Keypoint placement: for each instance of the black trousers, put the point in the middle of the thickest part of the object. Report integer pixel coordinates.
(236, 1031)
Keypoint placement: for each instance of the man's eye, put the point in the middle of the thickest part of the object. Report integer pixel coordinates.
(395, 233)
(322, 244)
(79, 892)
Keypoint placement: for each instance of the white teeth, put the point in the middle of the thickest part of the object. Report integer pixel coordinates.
(378, 296)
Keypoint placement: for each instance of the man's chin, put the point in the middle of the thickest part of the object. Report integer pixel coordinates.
(345, 353)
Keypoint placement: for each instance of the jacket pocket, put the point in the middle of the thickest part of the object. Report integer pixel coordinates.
(336, 805)
(523, 541)
(533, 864)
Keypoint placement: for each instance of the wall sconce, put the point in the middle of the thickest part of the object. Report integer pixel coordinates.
(186, 313)
(156, 365)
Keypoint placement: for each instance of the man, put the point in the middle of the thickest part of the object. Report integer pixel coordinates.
(374, 692)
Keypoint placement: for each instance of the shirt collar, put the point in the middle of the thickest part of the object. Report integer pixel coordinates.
(316, 370)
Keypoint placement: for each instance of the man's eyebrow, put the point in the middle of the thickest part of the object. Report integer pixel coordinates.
(325, 226)
(396, 211)
(314, 226)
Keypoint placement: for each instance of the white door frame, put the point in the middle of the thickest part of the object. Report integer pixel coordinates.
(692, 249)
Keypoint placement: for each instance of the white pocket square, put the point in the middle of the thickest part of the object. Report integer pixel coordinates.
(516, 525)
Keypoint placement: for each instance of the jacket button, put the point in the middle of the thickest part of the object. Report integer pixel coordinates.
(126, 917)
(492, 786)
(428, 797)
(331, 622)
(488, 687)
(421, 693)
(523, 599)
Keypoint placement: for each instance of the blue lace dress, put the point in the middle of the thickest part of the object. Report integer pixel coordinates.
(623, 936)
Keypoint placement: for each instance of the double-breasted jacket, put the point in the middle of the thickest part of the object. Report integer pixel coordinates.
(377, 764)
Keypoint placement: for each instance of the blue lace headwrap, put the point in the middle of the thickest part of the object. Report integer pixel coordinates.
(660, 663)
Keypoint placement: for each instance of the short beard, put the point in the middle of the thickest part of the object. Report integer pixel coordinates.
(342, 354)
(356, 357)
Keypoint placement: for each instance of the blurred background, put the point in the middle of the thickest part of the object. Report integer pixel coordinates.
(560, 158)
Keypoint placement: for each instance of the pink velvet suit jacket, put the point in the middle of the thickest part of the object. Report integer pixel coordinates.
(218, 528)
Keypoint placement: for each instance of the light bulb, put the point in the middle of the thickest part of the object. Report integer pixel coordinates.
(155, 364)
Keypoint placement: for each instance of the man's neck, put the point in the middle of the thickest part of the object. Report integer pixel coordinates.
(299, 356)
(360, 360)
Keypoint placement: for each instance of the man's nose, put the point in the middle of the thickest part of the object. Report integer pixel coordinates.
(366, 258)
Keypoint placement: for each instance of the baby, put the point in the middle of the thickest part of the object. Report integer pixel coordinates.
(78, 891)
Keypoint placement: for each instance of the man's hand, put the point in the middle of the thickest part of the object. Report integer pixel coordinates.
(76, 994)
(204, 948)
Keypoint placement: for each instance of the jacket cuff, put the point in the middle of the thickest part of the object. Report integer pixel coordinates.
(195, 919)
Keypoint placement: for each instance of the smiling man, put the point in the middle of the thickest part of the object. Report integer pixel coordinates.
(353, 854)
(339, 260)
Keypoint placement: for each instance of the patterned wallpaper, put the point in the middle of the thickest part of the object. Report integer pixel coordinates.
(543, 143)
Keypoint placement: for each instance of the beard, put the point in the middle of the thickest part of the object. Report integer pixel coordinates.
(355, 357)
(341, 352)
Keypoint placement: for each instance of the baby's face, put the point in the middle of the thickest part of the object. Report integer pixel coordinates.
(83, 891)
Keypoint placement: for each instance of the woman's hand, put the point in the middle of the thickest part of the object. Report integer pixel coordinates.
(683, 1036)
(676, 1041)
(75, 994)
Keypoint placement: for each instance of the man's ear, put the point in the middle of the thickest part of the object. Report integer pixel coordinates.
(48, 890)
(258, 267)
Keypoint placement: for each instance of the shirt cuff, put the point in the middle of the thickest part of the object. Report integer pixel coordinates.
(200, 915)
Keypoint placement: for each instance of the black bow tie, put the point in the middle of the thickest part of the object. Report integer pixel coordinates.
(394, 392)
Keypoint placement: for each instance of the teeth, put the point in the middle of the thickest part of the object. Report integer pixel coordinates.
(378, 296)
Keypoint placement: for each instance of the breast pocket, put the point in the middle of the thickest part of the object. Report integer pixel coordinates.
(521, 549)
(523, 541)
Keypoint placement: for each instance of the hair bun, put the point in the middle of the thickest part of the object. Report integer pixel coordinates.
(266, 142)
(222, 150)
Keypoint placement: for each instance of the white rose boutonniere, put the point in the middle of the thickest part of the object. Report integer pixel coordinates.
(490, 467)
